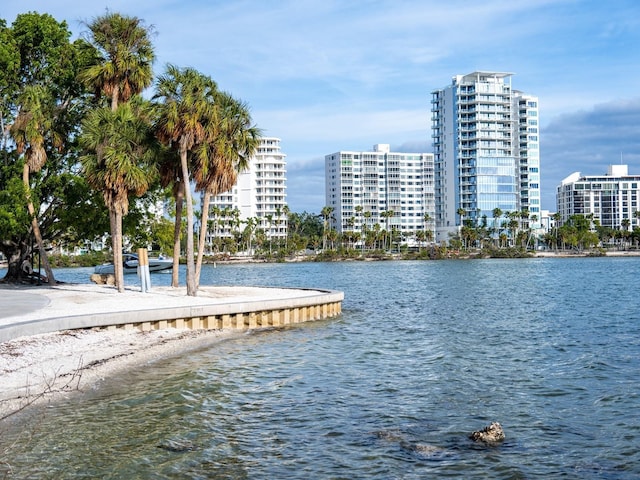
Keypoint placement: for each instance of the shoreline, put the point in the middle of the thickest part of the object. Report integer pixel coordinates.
(71, 336)
(43, 368)
(40, 369)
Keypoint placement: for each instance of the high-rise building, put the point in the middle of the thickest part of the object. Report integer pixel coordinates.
(486, 147)
(393, 190)
(259, 194)
(610, 199)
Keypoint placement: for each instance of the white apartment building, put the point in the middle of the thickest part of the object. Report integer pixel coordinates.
(486, 146)
(612, 199)
(360, 186)
(259, 193)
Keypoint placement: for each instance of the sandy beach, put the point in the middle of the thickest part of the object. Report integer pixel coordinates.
(44, 368)
(37, 369)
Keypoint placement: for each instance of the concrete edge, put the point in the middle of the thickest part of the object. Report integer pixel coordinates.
(127, 317)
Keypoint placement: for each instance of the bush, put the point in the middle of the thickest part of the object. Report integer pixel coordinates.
(89, 259)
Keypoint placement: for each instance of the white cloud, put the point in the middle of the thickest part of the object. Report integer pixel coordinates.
(588, 141)
(326, 75)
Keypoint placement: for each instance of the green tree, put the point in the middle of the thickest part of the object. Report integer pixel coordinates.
(9, 79)
(326, 214)
(124, 57)
(42, 102)
(119, 162)
(497, 213)
(29, 131)
(185, 114)
(122, 68)
(232, 141)
(387, 216)
(286, 212)
(248, 233)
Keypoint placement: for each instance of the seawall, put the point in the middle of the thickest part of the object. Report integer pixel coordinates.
(102, 307)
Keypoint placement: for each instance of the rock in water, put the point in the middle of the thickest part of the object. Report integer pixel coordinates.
(490, 435)
(103, 279)
(177, 446)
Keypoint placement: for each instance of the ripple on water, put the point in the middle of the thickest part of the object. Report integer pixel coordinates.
(424, 353)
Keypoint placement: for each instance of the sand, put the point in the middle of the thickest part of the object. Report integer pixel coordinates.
(43, 368)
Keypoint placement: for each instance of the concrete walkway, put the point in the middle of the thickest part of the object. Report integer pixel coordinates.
(18, 302)
(34, 310)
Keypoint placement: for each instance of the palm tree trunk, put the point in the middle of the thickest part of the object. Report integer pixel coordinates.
(36, 227)
(175, 275)
(203, 231)
(191, 280)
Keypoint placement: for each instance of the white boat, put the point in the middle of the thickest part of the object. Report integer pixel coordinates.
(130, 264)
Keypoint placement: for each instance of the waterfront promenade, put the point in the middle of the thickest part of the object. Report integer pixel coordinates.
(79, 333)
(37, 310)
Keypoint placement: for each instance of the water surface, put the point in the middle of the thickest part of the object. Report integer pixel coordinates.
(424, 353)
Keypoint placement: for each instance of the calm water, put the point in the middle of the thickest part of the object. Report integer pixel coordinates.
(424, 353)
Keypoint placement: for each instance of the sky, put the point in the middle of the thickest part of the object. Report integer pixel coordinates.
(331, 75)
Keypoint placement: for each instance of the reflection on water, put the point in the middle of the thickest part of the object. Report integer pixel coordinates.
(424, 353)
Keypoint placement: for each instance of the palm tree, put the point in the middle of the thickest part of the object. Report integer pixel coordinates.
(119, 163)
(387, 215)
(286, 211)
(332, 236)
(269, 218)
(249, 230)
(125, 57)
(420, 237)
(358, 209)
(428, 235)
(215, 222)
(325, 213)
(427, 224)
(524, 216)
(185, 116)
(33, 121)
(557, 218)
(514, 223)
(122, 69)
(227, 151)
(497, 213)
(461, 213)
(365, 228)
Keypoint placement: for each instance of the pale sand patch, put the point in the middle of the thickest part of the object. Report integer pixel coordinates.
(42, 368)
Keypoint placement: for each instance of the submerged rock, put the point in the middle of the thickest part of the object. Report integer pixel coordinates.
(389, 435)
(491, 435)
(428, 450)
(177, 446)
(422, 449)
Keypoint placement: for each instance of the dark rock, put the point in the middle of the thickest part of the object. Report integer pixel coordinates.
(491, 435)
(177, 446)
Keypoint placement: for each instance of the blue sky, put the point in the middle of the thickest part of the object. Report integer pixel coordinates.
(330, 75)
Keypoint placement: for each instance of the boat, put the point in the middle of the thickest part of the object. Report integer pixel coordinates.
(130, 264)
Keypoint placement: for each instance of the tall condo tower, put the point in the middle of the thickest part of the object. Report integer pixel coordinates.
(391, 189)
(611, 199)
(486, 147)
(259, 194)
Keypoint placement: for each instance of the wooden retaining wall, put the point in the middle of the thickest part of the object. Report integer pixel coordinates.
(278, 317)
(237, 313)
